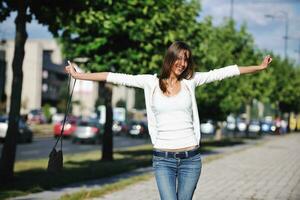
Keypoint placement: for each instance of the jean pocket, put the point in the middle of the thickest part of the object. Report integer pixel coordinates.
(196, 157)
(157, 158)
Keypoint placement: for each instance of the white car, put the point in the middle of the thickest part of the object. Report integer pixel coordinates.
(254, 127)
(88, 130)
(25, 134)
(207, 128)
(241, 126)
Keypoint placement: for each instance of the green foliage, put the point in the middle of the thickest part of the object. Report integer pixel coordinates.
(222, 46)
(127, 37)
(46, 110)
(132, 37)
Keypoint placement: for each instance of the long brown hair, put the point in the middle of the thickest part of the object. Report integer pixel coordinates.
(170, 58)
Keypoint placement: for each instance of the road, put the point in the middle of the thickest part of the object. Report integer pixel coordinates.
(41, 147)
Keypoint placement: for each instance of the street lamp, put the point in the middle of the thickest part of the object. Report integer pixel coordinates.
(286, 18)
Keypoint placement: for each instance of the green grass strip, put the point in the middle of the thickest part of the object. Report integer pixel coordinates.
(109, 188)
(31, 176)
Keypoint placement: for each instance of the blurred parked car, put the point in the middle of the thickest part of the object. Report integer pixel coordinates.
(230, 126)
(138, 129)
(88, 130)
(69, 128)
(241, 127)
(268, 125)
(57, 117)
(254, 128)
(36, 116)
(119, 128)
(24, 134)
(207, 128)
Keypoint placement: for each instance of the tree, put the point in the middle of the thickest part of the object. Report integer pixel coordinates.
(218, 47)
(127, 37)
(27, 9)
(285, 92)
(9, 147)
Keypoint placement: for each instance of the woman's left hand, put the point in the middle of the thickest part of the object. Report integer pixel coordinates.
(267, 60)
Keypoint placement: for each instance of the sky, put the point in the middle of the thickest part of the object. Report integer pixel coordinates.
(268, 33)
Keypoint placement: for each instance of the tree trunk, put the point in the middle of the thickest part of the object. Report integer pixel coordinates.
(107, 144)
(219, 134)
(9, 147)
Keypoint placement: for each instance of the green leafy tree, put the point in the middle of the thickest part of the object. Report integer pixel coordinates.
(46, 110)
(226, 45)
(27, 9)
(218, 47)
(127, 37)
(9, 147)
(285, 92)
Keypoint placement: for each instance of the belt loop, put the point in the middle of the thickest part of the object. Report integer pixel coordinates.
(166, 154)
(186, 154)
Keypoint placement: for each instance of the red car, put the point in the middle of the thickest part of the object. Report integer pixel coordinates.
(70, 127)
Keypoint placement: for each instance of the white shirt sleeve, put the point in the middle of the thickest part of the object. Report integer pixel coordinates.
(216, 74)
(128, 79)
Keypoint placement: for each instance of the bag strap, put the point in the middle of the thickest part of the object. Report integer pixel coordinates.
(66, 111)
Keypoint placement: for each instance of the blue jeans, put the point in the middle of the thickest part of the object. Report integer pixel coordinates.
(177, 178)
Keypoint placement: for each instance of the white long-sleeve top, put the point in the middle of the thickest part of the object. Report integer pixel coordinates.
(174, 120)
(149, 82)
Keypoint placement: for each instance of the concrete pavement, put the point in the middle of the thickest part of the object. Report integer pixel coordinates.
(267, 171)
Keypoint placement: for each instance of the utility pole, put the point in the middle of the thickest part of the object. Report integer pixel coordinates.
(231, 9)
(286, 34)
(296, 50)
(285, 37)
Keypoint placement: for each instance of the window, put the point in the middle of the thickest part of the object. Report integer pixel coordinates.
(47, 57)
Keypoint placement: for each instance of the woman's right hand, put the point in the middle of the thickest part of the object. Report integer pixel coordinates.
(70, 69)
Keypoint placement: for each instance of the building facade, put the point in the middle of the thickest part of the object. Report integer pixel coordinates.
(44, 79)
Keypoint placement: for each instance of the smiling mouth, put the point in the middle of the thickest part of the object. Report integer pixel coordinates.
(180, 69)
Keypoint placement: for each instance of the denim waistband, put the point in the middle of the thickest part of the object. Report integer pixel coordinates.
(180, 154)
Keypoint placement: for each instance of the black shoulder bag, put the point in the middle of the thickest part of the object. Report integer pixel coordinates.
(55, 162)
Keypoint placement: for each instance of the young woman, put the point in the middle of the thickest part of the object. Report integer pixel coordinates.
(172, 115)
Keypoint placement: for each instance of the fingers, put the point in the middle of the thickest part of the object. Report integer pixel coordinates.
(70, 68)
(268, 59)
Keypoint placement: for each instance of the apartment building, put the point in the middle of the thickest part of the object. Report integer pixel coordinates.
(44, 78)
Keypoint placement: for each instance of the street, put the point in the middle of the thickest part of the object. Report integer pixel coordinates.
(41, 147)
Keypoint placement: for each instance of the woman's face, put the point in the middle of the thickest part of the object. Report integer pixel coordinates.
(181, 63)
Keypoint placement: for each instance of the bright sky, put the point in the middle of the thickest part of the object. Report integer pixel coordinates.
(267, 32)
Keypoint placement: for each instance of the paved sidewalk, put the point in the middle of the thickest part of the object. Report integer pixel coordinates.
(269, 171)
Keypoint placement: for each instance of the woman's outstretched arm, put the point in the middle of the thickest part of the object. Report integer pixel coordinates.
(252, 69)
(116, 78)
(98, 76)
(229, 71)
